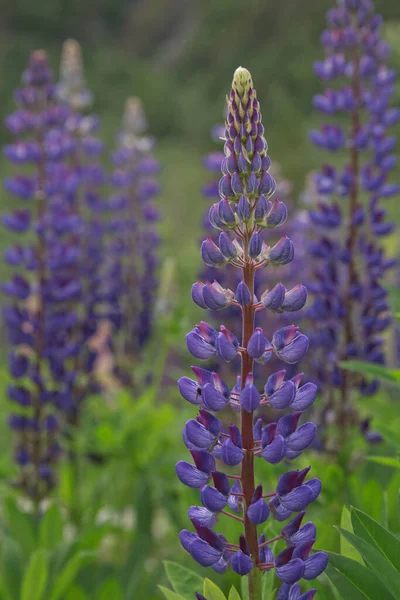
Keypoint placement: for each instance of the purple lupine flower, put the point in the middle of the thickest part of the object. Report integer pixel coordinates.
(134, 273)
(42, 315)
(270, 213)
(83, 185)
(249, 182)
(350, 309)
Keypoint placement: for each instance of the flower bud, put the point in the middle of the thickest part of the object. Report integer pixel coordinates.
(228, 249)
(197, 294)
(215, 297)
(211, 254)
(243, 209)
(274, 299)
(282, 253)
(255, 245)
(295, 299)
(243, 294)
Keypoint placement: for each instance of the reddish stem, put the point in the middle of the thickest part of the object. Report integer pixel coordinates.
(248, 484)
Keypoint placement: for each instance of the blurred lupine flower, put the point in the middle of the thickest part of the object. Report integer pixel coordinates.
(245, 191)
(350, 311)
(45, 288)
(87, 203)
(134, 249)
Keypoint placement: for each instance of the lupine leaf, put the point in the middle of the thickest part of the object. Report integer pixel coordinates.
(212, 591)
(35, 578)
(372, 370)
(77, 593)
(67, 575)
(362, 578)
(51, 528)
(343, 585)
(10, 567)
(387, 461)
(244, 588)
(376, 535)
(346, 549)
(110, 589)
(376, 562)
(267, 583)
(169, 594)
(21, 526)
(183, 580)
(391, 437)
(233, 594)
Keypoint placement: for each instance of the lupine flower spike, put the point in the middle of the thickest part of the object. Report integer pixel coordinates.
(42, 312)
(136, 237)
(242, 214)
(86, 202)
(350, 306)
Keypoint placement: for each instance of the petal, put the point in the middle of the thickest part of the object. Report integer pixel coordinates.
(204, 516)
(213, 499)
(275, 451)
(291, 572)
(258, 512)
(283, 397)
(302, 437)
(190, 390)
(198, 435)
(191, 476)
(241, 563)
(305, 396)
(212, 398)
(297, 499)
(203, 553)
(198, 347)
(315, 565)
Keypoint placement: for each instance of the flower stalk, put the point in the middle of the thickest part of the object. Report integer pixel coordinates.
(242, 214)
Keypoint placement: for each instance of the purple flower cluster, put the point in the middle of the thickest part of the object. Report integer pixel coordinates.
(231, 276)
(242, 213)
(136, 238)
(350, 309)
(45, 287)
(98, 297)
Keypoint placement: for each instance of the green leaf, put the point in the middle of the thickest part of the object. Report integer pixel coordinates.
(362, 578)
(35, 578)
(385, 510)
(387, 461)
(233, 594)
(68, 574)
(267, 585)
(376, 535)
(183, 580)
(390, 436)
(77, 593)
(371, 370)
(376, 562)
(51, 528)
(11, 567)
(110, 589)
(212, 591)
(169, 594)
(21, 526)
(346, 549)
(343, 585)
(244, 588)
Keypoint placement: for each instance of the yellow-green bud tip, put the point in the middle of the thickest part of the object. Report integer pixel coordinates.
(242, 81)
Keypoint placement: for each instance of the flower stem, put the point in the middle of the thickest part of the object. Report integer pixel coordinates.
(247, 425)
